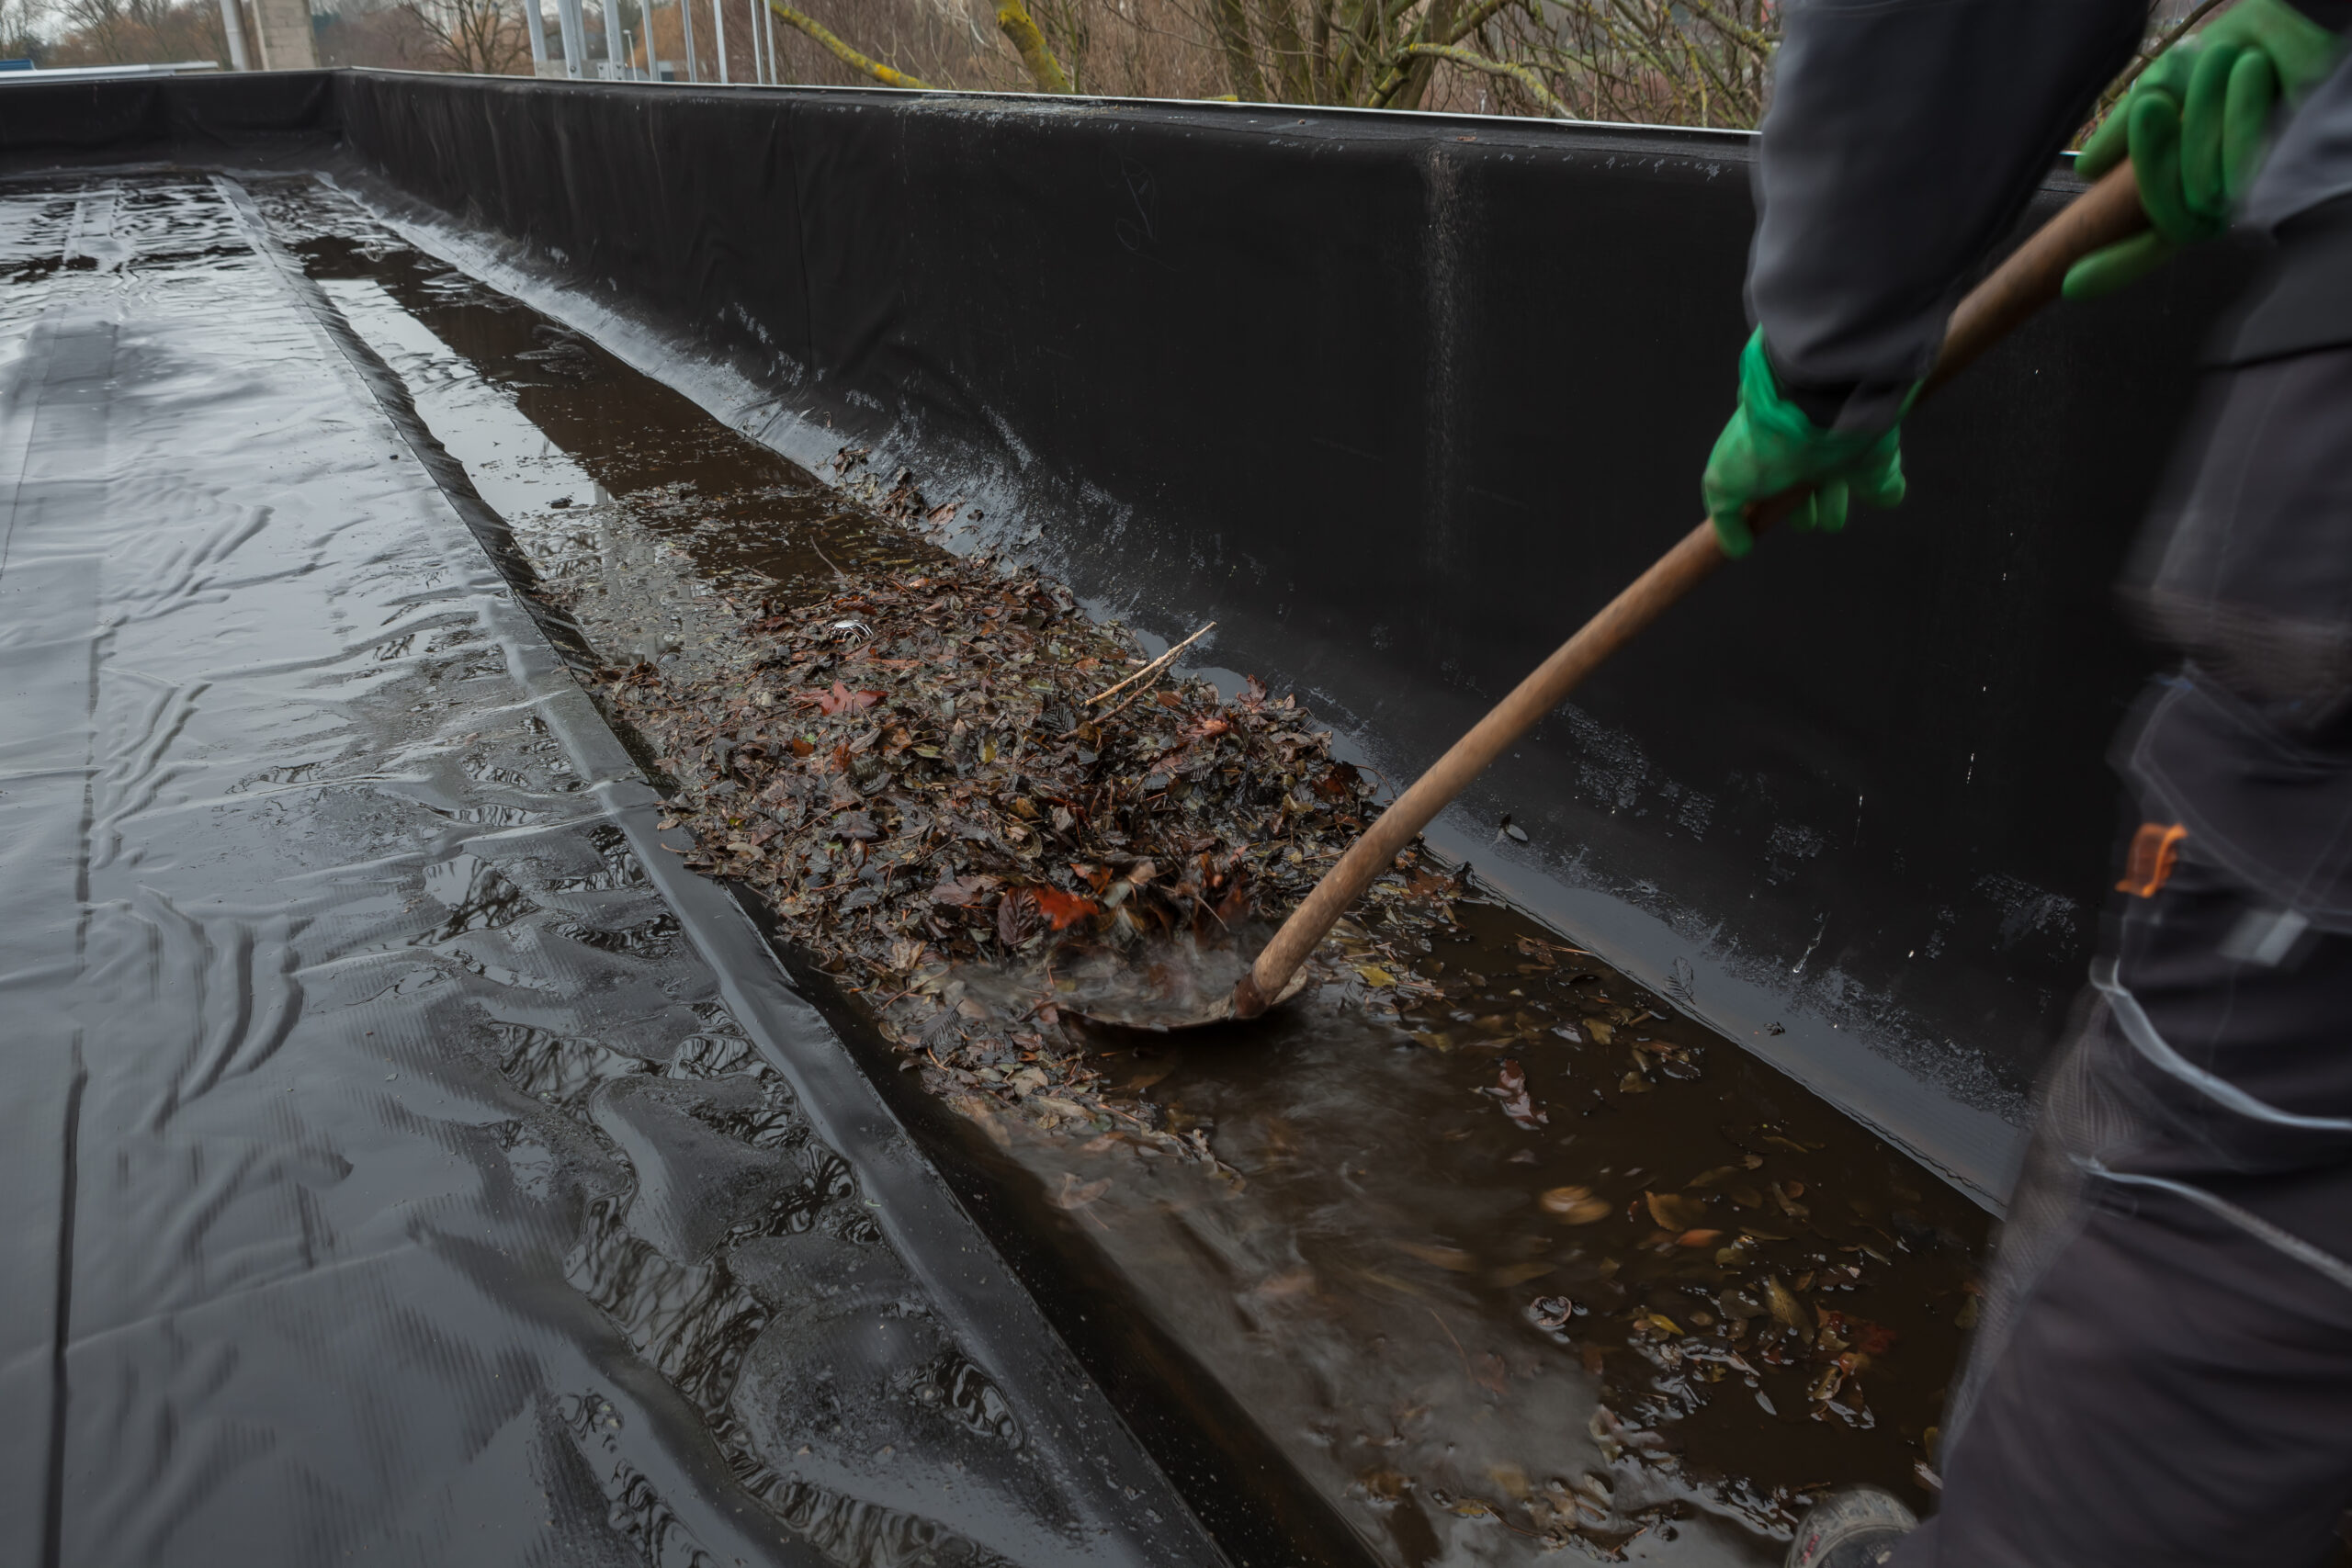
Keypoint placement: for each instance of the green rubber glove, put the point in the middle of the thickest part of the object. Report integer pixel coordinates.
(2194, 125)
(1770, 446)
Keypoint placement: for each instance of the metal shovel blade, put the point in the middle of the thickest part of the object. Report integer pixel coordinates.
(1160, 1014)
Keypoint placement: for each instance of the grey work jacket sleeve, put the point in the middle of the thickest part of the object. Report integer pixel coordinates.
(1902, 140)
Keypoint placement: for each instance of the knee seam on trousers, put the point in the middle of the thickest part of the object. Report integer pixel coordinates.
(2140, 1031)
(2254, 1225)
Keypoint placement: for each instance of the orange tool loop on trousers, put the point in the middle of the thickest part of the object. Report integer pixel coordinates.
(2155, 849)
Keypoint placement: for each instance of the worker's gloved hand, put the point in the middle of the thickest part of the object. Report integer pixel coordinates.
(1770, 446)
(2194, 125)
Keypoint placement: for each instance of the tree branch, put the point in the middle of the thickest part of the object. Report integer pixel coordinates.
(1473, 61)
(1030, 44)
(1394, 78)
(833, 46)
(1740, 32)
(1231, 25)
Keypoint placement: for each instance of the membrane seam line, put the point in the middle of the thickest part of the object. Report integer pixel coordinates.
(61, 1313)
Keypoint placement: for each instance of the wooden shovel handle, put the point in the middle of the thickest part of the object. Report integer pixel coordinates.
(2027, 280)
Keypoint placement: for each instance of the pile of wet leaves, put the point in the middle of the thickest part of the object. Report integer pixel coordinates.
(979, 806)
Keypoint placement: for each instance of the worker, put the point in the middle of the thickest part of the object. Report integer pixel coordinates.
(2163, 1371)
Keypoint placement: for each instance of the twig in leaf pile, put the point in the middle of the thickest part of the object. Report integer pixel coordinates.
(1154, 668)
(1142, 691)
(827, 560)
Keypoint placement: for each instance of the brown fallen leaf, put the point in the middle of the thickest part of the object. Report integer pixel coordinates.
(1787, 1311)
(1451, 1257)
(1577, 1205)
(1062, 909)
(1510, 1091)
(961, 891)
(1075, 1196)
(1551, 1311)
(1675, 1211)
(1520, 1273)
(1293, 1283)
(1145, 1075)
(1697, 1238)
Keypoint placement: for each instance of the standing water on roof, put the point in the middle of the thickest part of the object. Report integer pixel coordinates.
(1503, 1253)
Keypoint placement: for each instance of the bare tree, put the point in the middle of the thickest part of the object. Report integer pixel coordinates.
(1675, 61)
(1661, 61)
(113, 32)
(106, 30)
(483, 35)
(381, 33)
(1685, 61)
(21, 27)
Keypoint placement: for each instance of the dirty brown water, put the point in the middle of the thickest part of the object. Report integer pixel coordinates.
(1535, 1262)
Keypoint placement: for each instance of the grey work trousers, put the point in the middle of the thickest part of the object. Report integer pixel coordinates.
(2162, 1375)
(2163, 1378)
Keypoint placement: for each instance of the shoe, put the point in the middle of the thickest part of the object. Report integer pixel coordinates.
(1854, 1527)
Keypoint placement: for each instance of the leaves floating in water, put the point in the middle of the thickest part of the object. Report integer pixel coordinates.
(1787, 1311)
(1577, 1205)
(1451, 1257)
(1075, 1195)
(1511, 1089)
(1552, 1312)
(1675, 1211)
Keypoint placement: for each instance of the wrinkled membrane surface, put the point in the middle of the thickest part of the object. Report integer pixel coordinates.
(389, 1180)
(1507, 1256)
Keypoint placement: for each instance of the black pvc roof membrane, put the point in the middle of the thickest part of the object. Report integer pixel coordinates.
(376, 1088)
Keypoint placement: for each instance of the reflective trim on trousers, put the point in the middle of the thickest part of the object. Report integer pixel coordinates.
(2254, 1225)
(2142, 1033)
